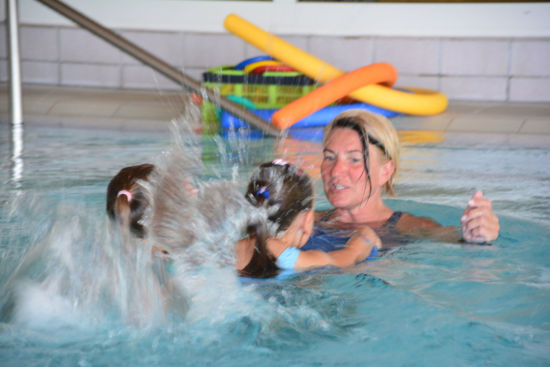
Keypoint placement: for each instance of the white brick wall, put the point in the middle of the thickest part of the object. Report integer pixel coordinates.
(409, 56)
(78, 45)
(40, 72)
(474, 88)
(503, 69)
(39, 44)
(143, 77)
(530, 58)
(535, 89)
(474, 57)
(169, 45)
(345, 53)
(95, 75)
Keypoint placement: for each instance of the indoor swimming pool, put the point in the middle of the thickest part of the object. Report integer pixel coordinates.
(66, 301)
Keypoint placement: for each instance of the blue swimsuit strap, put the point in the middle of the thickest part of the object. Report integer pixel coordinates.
(391, 222)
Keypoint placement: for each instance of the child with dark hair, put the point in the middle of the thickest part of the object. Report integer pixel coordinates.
(126, 202)
(273, 244)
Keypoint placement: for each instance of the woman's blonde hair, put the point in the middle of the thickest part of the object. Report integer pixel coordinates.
(372, 129)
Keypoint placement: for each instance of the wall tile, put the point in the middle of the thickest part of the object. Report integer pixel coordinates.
(474, 88)
(78, 45)
(346, 54)
(530, 58)
(40, 72)
(195, 73)
(90, 75)
(168, 46)
(428, 82)
(141, 76)
(474, 57)
(408, 55)
(298, 41)
(209, 50)
(530, 89)
(38, 44)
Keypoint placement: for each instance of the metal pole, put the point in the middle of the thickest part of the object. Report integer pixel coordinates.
(16, 110)
(159, 65)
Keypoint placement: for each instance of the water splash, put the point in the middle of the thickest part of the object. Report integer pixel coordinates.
(81, 271)
(78, 268)
(195, 220)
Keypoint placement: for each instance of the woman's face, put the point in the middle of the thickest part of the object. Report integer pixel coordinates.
(343, 169)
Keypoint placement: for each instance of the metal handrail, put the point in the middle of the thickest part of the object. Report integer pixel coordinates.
(159, 65)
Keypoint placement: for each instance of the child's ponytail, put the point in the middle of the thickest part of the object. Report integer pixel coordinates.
(262, 264)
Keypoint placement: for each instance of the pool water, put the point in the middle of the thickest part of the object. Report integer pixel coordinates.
(66, 301)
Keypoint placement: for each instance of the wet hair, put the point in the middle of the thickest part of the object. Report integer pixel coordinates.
(372, 129)
(284, 191)
(120, 206)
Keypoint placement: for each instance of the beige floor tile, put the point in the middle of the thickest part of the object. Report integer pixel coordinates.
(463, 122)
(35, 106)
(525, 110)
(485, 123)
(456, 108)
(536, 126)
(4, 105)
(436, 122)
(98, 122)
(84, 108)
(147, 111)
(470, 139)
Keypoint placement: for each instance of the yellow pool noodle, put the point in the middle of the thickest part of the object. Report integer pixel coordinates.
(421, 102)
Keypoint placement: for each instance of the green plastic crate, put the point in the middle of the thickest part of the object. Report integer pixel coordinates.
(269, 90)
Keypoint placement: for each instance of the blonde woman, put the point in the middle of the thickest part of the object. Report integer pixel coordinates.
(360, 163)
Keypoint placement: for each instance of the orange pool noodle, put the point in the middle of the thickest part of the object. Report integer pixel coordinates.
(381, 73)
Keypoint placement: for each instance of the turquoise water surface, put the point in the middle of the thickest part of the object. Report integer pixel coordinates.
(66, 300)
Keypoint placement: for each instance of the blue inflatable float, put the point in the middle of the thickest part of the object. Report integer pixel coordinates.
(316, 119)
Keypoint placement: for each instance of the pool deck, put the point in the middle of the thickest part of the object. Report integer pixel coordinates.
(463, 123)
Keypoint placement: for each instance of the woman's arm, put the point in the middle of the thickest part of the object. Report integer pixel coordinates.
(357, 249)
(426, 228)
(478, 224)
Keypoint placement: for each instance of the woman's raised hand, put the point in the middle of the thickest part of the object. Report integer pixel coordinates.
(479, 223)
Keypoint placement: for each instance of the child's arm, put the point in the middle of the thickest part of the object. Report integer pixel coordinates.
(357, 249)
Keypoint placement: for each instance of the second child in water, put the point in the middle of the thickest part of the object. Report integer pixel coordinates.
(273, 243)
